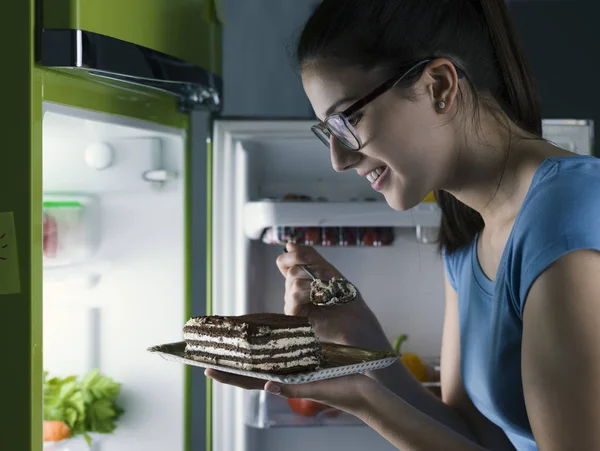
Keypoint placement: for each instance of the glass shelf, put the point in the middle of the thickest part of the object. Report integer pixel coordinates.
(261, 215)
(270, 411)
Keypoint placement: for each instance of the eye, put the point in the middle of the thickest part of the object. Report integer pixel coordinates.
(355, 119)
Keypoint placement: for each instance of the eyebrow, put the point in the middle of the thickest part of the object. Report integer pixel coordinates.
(337, 104)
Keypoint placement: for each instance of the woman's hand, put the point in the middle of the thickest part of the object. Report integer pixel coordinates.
(347, 393)
(350, 324)
(397, 421)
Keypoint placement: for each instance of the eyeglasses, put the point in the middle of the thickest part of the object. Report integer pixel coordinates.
(339, 124)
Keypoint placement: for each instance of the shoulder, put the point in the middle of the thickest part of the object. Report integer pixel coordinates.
(563, 201)
(560, 214)
(570, 183)
(454, 264)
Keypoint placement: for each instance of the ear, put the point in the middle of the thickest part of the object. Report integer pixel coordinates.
(442, 84)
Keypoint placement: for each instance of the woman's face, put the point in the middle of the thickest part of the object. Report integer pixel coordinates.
(407, 143)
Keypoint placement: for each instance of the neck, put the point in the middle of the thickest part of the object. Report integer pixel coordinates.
(494, 168)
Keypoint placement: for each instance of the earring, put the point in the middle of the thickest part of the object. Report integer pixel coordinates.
(442, 105)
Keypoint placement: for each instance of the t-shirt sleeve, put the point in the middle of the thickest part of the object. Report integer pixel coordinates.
(561, 215)
(450, 268)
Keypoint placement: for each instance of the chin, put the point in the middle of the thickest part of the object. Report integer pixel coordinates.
(399, 203)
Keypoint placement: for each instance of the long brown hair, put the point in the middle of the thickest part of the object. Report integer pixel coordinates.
(477, 35)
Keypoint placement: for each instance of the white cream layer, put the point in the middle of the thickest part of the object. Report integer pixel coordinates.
(231, 353)
(264, 366)
(243, 343)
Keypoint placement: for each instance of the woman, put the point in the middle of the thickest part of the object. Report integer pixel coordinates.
(437, 95)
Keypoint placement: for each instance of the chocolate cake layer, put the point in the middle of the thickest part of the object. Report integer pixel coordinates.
(195, 344)
(275, 368)
(220, 332)
(268, 358)
(253, 323)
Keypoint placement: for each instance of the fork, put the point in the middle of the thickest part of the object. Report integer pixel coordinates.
(305, 268)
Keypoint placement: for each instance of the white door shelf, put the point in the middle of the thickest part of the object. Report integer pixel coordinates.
(270, 411)
(264, 214)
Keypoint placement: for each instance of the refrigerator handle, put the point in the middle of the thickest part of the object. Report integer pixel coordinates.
(159, 175)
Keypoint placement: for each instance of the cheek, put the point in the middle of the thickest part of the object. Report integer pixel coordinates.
(403, 139)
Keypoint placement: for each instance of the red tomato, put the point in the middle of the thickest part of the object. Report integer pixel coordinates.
(308, 408)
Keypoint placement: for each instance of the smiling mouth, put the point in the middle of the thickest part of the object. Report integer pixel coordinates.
(375, 174)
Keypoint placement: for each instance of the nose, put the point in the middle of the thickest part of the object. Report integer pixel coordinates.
(342, 158)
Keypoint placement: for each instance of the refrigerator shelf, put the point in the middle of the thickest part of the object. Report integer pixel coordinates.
(270, 411)
(263, 214)
(265, 411)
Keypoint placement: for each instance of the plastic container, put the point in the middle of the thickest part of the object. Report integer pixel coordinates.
(70, 230)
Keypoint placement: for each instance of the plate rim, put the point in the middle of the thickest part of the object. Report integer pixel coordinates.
(293, 378)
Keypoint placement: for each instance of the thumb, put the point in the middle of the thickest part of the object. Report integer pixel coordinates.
(289, 390)
(313, 390)
(291, 247)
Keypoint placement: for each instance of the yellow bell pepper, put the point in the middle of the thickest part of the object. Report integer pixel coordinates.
(413, 362)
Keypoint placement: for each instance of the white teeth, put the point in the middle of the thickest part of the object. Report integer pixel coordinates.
(374, 175)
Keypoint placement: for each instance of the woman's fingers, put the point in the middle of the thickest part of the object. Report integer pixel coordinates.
(341, 392)
(297, 296)
(247, 383)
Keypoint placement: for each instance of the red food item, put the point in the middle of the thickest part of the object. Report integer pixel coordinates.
(308, 408)
(49, 236)
(348, 236)
(292, 196)
(312, 236)
(369, 237)
(329, 236)
(386, 236)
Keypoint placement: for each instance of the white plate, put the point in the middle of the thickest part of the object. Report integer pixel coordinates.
(339, 361)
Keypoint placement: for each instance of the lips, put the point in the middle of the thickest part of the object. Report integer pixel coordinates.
(377, 184)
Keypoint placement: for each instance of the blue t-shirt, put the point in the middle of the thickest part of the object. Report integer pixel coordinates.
(560, 214)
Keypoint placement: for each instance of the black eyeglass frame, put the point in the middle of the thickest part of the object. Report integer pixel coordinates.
(323, 131)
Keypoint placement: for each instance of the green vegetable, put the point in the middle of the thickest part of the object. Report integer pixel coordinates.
(85, 406)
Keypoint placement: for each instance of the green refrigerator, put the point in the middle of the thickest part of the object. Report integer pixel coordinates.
(104, 230)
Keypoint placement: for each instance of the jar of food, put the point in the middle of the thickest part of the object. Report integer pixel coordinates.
(368, 236)
(312, 236)
(386, 236)
(348, 236)
(329, 236)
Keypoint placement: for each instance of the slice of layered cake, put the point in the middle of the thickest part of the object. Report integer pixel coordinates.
(262, 342)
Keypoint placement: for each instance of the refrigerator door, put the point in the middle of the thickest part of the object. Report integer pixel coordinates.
(29, 88)
(20, 229)
(170, 45)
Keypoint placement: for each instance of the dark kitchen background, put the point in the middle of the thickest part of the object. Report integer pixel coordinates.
(561, 37)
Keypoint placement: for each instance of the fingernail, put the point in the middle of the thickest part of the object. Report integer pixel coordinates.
(273, 388)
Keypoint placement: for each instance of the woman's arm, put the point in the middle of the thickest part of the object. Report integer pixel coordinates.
(407, 428)
(456, 411)
(561, 354)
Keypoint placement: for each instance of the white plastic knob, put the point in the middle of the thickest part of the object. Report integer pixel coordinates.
(99, 155)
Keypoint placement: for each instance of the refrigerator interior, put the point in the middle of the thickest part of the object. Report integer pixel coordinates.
(114, 266)
(402, 283)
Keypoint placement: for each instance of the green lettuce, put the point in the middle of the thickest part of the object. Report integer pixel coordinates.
(86, 405)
